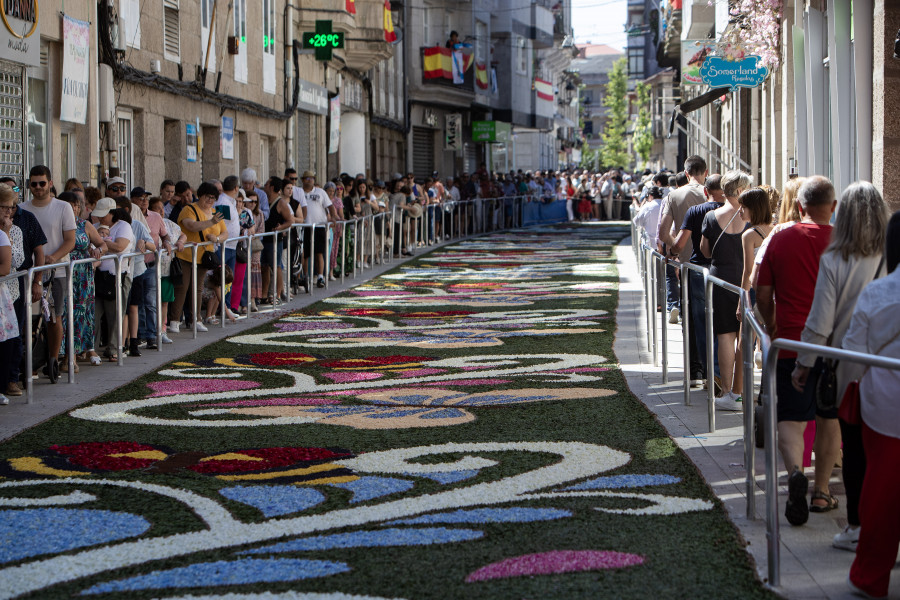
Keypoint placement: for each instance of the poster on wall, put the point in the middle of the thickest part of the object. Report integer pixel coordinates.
(20, 35)
(227, 138)
(76, 71)
(453, 131)
(334, 138)
(693, 55)
(191, 139)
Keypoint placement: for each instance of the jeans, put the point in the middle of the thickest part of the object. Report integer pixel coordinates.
(147, 309)
(230, 261)
(673, 290)
(698, 323)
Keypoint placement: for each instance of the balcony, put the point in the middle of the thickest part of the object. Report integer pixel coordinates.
(437, 71)
(698, 19)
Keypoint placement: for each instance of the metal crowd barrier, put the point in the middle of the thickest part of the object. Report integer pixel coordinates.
(651, 266)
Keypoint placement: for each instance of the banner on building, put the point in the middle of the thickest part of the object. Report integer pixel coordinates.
(481, 76)
(20, 37)
(453, 131)
(191, 140)
(227, 138)
(458, 71)
(76, 71)
(543, 89)
(334, 138)
(389, 35)
(494, 87)
(693, 55)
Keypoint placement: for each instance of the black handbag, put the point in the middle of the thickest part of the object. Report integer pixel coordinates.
(821, 384)
(240, 252)
(104, 285)
(211, 260)
(176, 271)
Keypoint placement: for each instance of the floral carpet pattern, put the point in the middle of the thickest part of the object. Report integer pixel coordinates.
(455, 428)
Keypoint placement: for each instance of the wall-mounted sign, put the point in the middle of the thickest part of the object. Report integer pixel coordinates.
(747, 73)
(76, 71)
(323, 40)
(20, 36)
(227, 138)
(334, 135)
(490, 131)
(453, 131)
(191, 140)
(693, 55)
(313, 98)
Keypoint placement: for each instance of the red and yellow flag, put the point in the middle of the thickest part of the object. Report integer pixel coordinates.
(350, 5)
(481, 77)
(389, 35)
(436, 63)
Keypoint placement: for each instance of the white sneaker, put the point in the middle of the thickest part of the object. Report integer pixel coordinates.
(673, 316)
(3, 400)
(174, 327)
(730, 401)
(166, 339)
(200, 326)
(846, 539)
(757, 358)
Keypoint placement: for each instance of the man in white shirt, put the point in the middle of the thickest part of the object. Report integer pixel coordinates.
(227, 205)
(319, 210)
(58, 222)
(452, 190)
(648, 216)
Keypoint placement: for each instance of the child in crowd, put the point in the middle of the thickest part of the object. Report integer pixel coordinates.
(212, 293)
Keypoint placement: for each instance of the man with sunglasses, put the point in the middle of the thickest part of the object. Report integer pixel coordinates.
(58, 223)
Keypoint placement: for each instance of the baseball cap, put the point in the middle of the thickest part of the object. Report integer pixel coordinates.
(114, 180)
(379, 184)
(104, 206)
(138, 192)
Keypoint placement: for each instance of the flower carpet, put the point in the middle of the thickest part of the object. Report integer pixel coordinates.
(455, 428)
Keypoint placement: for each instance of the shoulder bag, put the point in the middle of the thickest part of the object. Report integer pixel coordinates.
(211, 258)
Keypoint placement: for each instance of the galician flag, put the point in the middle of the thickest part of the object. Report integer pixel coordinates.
(389, 35)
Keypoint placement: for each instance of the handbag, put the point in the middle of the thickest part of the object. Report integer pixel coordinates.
(821, 384)
(240, 252)
(211, 260)
(176, 271)
(256, 244)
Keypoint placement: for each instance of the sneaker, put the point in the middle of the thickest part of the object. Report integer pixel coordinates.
(174, 327)
(151, 345)
(796, 509)
(200, 327)
(757, 358)
(321, 282)
(143, 343)
(697, 379)
(166, 339)
(673, 316)
(847, 539)
(731, 402)
(3, 400)
(14, 389)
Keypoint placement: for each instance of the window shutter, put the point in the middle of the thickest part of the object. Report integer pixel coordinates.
(171, 30)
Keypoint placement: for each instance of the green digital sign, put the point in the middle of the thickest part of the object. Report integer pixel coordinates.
(323, 40)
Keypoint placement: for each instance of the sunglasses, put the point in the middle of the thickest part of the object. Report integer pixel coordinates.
(117, 188)
(292, 178)
(35, 184)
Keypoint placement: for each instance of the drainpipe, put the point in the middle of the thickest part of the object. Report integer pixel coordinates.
(288, 76)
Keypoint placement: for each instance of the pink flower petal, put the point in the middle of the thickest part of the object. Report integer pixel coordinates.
(173, 387)
(276, 402)
(353, 376)
(422, 372)
(555, 562)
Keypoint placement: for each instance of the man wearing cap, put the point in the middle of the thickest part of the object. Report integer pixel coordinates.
(57, 220)
(248, 183)
(147, 309)
(319, 210)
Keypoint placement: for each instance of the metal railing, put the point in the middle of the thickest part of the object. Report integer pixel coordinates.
(651, 266)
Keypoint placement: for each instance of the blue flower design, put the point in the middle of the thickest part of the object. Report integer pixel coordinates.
(624, 481)
(490, 515)
(274, 500)
(373, 539)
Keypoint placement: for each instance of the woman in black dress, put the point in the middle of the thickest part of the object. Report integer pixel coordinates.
(722, 229)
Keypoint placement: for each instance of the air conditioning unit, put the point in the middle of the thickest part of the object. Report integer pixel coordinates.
(106, 94)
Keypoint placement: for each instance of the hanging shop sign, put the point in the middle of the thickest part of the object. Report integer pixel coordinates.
(227, 138)
(20, 36)
(312, 98)
(191, 140)
(334, 138)
(453, 131)
(323, 40)
(747, 73)
(76, 71)
(693, 54)
(490, 131)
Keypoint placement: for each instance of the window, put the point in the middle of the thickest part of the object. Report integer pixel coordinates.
(587, 97)
(171, 30)
(264, 156)
(240, 33)
(269, 46)
(636, 62)
(130, 12)
(521, 55)
(126, 146)
(207, 29)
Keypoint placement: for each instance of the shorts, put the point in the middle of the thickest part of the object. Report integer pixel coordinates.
(321, 236)
(793, 405)
(167, 289)
(56, 295)
(136, 296)
(265, 257)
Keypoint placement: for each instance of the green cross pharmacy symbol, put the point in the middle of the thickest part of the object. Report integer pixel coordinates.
(323, 40)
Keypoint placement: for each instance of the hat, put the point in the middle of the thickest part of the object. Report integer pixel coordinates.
(397, 176)
(379, 184)
(114, 180)
(308, 174)
(103, 208)
(434, 173)
(138, 192)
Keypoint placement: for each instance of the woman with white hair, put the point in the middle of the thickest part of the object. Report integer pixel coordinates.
(722, 229)
(852, 260)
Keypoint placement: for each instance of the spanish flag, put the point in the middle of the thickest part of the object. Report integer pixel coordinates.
(481, 77)
(350, 5)
(389, 35)
(436, 63)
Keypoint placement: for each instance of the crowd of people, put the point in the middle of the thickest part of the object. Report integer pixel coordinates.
(820, 270)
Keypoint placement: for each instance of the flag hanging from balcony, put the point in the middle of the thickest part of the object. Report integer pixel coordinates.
(389, 35)
(481, 76)
(458, 68)
(544, 89)
(433, 65)
(350, 6)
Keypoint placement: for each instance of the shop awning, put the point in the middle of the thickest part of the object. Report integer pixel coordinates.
(696, 103)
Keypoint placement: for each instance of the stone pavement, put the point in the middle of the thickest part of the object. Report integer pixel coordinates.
(91, 382)
(810, 567)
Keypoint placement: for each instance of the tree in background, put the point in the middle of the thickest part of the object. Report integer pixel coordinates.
(643, 131)
(614, 150)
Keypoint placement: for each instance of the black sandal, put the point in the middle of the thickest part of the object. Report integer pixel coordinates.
(831, 502)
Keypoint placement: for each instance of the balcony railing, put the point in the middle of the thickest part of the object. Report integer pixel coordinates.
(437, 69)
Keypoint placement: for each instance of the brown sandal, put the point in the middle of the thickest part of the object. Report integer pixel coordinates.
(831, 502)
